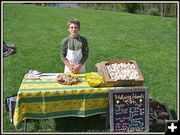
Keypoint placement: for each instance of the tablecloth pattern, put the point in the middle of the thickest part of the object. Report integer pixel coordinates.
(46, 98)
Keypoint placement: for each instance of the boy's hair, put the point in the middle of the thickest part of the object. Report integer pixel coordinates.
(75, 21)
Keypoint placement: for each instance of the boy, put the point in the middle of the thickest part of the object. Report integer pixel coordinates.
(74, 49)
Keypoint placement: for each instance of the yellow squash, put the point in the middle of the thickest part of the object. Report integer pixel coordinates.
(94, 79)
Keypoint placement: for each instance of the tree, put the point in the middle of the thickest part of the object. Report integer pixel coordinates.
(132, 8)
(158, 9)
(114, 7)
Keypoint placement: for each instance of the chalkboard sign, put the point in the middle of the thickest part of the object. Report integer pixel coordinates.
(129, 109)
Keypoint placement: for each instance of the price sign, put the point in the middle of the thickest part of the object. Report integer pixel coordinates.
(129, 109)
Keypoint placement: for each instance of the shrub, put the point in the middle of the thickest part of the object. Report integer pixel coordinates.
(153, 11)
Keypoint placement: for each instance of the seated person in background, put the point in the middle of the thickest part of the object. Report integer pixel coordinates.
(8, 49)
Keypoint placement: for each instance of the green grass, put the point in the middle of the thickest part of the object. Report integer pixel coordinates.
(37, 32)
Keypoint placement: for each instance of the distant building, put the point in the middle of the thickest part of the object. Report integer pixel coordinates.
(68, 5)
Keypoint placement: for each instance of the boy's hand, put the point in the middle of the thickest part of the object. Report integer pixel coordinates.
(76, 68)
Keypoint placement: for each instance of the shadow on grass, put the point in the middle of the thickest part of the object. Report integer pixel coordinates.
(94, 123)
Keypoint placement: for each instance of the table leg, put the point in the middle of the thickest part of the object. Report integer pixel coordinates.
(25, 125)
(107, 119)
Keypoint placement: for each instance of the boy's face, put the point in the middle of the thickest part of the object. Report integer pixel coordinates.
(73, 30)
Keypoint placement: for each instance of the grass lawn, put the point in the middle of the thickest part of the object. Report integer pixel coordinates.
(37, 32)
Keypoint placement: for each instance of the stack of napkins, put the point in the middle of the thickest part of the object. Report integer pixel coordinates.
(33, 75)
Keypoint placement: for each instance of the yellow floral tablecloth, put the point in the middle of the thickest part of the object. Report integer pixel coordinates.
(46, 98)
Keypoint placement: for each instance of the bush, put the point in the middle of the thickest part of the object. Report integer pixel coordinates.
(153, 11)
(132, 8)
